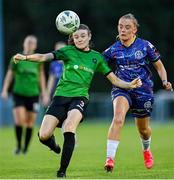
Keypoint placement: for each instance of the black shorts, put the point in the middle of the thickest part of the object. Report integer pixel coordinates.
(30, 103)
(60, 106)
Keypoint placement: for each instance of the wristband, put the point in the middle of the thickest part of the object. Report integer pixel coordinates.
(164, 81)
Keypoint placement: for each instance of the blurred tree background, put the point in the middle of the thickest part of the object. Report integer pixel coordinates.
(23, 17)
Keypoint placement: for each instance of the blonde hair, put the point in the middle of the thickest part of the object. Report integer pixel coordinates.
(30, 36)
(132, 17)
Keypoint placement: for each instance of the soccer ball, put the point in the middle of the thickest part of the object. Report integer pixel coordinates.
(67, 22)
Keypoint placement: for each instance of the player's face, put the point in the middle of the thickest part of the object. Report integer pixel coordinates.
(30, 44)
(126, 29)
(81, 39)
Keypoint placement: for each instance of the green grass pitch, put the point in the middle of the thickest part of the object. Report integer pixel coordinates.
(89, 155)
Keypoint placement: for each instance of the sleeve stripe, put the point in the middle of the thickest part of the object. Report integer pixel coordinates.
(155, 60)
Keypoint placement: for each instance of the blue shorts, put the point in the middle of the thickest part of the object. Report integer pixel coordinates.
(140, 102)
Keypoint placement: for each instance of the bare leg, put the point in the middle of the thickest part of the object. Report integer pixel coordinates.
(121, 106)
(144, 129)
(48, 126)
(46, 136)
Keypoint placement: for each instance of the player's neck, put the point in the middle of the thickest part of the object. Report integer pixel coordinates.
(128, 42)
(27, 52)
(86, 48)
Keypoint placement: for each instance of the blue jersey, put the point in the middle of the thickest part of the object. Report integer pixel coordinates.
(56, 69)
(133, 61)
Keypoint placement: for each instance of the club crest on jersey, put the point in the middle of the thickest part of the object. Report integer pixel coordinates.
(148, 105)
(94, 60)
(138, 54)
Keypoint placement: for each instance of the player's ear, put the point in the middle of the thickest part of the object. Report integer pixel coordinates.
(70, 40)
(135, 30)
(90, 36)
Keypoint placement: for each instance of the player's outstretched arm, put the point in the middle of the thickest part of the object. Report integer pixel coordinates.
(163, 75)
(7, 81)
(33, 57)
(122, 84)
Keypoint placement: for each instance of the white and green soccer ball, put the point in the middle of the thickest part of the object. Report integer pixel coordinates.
(67, 22)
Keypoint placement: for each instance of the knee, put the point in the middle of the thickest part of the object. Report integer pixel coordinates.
(29, 124)
(43, 136)
(118, 121)
(20, 122)
(68, 127)
(145, 131)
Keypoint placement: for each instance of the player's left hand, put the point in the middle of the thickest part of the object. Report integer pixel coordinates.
(135, 83)
(167, 86)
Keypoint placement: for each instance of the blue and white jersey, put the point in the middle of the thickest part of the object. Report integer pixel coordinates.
(132, 62)
(56, 69)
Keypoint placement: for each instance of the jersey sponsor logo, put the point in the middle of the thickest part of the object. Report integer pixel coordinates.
(84, 68)
(138, 54)
(76, 66)
(129, 67)
(120, 55)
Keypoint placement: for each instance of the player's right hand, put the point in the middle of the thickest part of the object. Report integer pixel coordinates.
(18, 57)
(135, 83)
(167, 86)
(4, 95)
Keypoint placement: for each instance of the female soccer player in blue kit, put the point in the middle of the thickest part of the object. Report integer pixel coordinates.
(55, 71)
(132, 56)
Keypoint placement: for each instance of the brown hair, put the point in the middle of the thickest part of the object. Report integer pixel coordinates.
(82, 26)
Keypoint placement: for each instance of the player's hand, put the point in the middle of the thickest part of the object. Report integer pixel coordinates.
(4, 95)
(19, 57)
(45, 99)
(135, 83)
(167, 86)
